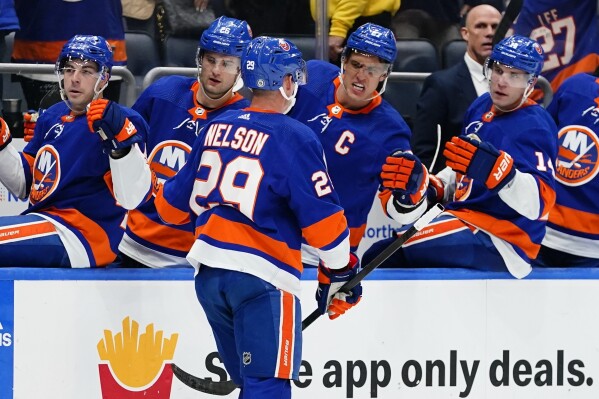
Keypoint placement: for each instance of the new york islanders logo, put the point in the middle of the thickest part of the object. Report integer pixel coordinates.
(46, 174)
(463, 187)
(578, 155)
(168, 158)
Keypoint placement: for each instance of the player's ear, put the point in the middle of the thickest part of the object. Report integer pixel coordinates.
(288, 83)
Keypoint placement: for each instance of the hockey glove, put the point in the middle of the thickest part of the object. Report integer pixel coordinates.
(29, 122)
(329, 282)
(406, 177)
(5, 136)
(117, 132)
(480, 161)
(435, 192)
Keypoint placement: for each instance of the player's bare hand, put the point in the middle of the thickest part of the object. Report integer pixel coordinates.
(201, 5)
(335, 47)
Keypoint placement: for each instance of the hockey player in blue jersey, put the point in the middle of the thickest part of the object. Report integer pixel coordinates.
(498, 186)
(80, 171)
(255, 183)
(357, 128)
(567, 31)
(572, 237)
(176, 108)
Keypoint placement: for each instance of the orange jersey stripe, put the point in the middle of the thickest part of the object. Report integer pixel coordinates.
(586, 64)
(30, 160)
(91, 231)
(167, 212)
(574, 219)
(547, 198)
(356, 234)
(159, 234)
(437, 229)
(228, 231)
(503, 229)
(48, 52)
(324, 232)
(24, 231)
(286, 348)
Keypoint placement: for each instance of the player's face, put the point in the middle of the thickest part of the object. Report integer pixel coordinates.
(361, 76)
(507, 85)
(80, 78)
(219, 73)
(481, 23)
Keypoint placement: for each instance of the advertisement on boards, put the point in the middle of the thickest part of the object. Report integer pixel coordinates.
(480, 339)
(6, 337)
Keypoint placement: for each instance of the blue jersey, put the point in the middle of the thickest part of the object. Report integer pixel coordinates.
(355, 142)
(254, 184)
(175, 118)
(568, 33)
(526, 134)
(573, 225)
(69, 181)
(42, 37)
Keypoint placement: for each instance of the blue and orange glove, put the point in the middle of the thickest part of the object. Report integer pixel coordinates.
(117, 132)
(329, 282)
(29, 122)
(406, 177)
(435, 193)
(480, 161)
(5, 136)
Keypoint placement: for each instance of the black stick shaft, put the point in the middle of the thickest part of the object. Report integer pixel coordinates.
(380, 258)
(509, 16)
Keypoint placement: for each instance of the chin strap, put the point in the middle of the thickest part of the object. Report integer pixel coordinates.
(291, 98)
(65, 98)
(527, 92)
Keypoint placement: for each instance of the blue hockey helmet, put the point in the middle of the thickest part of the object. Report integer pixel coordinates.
(87, 48)
(267, 60)
(373, 39)
(519, 52)
(227, 36)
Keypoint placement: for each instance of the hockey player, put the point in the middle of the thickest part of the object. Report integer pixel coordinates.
(255, 183)
(498, 186)
(357, 128)
(567, 31)
(176, 108)
(573, 228)
(84, 157)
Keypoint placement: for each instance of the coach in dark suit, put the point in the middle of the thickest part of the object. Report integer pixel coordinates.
(447, 94)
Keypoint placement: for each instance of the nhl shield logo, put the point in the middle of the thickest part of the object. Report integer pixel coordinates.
(247, 358)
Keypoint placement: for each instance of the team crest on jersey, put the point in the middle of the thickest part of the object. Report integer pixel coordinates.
(463, 187)
(474, 127)
(578, 155)
(46, 174)
(168, 158)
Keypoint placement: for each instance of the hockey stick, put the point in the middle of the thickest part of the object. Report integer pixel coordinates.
(222, 388)
(383, 256)
(510, 15)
